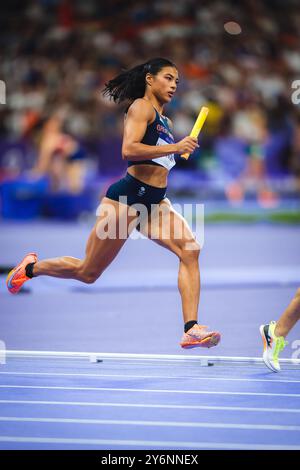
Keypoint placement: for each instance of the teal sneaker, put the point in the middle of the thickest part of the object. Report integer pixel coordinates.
(273, 345)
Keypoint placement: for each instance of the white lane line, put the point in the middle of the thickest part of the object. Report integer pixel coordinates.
(143, 444)
(154, 405)
(168, 424)
(142, 390)
(234, 379)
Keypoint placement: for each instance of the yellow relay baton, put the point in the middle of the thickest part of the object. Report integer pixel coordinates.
(197, 126)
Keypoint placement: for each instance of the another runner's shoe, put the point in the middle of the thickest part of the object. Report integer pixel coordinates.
(17, 276)
(273, 345)
(198, 336)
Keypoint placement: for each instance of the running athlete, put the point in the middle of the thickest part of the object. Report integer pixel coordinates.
(149, 148)
(274, 334)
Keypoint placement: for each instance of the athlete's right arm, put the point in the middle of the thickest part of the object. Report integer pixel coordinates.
(139, 115)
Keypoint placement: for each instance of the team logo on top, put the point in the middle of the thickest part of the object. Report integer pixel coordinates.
(141, 191)
(162, 129)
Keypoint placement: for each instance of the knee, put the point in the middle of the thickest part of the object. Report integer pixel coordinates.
(88, 277)
(190, 251)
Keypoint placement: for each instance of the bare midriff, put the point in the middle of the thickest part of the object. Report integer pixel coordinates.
(150, 174)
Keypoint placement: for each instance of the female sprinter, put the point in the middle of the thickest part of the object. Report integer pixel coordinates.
(149, 148)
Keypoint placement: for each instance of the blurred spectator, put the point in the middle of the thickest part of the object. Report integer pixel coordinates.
(60, 157)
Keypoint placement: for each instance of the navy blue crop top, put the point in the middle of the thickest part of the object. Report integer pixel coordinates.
(158, 133)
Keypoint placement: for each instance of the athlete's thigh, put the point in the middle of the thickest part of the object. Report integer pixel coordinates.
(113, 225)
(169, 229)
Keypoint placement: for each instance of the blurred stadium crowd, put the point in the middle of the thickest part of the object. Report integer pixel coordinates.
(56, 56)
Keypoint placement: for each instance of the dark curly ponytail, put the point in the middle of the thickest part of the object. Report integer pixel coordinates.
(131, 84)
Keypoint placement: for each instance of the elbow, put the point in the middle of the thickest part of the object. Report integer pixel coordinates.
(130, 151)
(126, 154)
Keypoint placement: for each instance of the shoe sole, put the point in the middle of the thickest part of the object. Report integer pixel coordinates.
(208, 342)
(265, 353)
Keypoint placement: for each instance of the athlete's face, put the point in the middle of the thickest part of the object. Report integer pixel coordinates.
(164, 84)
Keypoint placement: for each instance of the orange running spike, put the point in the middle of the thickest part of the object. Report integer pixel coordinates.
(17, 276)
(198, 336)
